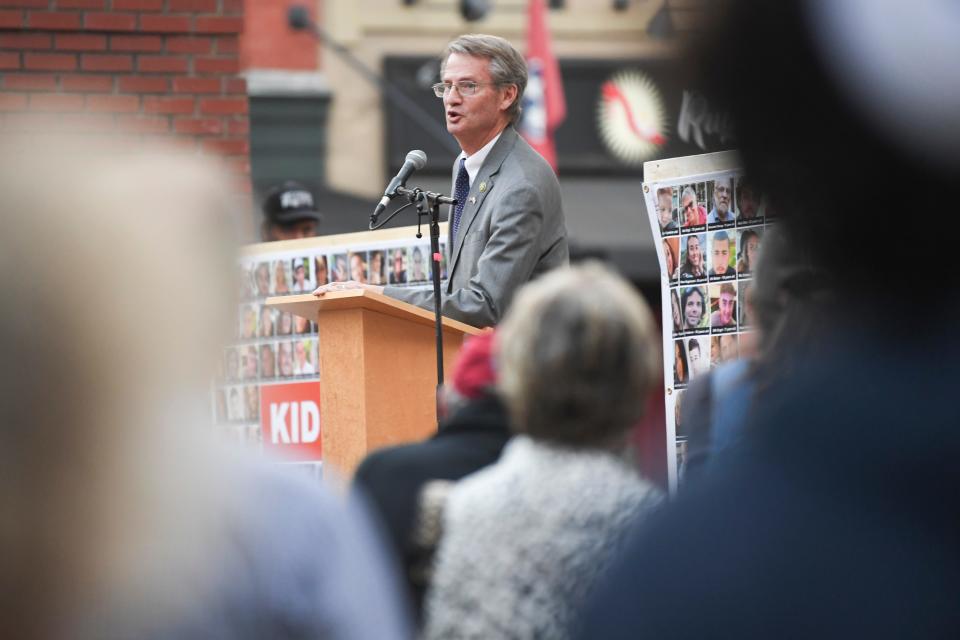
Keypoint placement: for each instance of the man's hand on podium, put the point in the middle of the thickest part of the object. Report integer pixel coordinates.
(345, 286)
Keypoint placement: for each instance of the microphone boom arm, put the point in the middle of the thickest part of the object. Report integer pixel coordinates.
(299, 18)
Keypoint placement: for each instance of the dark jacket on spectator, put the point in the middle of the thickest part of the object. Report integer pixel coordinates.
(392, 478)
(832, 520)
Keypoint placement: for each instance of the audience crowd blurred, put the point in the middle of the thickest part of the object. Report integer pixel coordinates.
(820, 464)
(122, 516)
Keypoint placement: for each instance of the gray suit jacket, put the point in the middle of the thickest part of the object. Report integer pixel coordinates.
(511, 231)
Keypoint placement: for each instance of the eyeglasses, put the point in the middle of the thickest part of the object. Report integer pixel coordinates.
(465, 88)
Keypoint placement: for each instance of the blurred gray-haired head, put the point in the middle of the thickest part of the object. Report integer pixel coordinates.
(579, 354)
(879, 54)
(115, 271)
(877, 147)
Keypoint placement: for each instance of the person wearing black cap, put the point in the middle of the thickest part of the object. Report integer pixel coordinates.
(289, 213)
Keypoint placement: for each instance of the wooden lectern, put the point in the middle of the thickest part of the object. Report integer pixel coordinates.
(378, 370)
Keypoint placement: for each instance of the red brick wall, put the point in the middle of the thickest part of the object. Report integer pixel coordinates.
(152, 68)
(268, 43)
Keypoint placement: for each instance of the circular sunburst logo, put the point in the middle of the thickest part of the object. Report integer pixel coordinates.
(631, 117)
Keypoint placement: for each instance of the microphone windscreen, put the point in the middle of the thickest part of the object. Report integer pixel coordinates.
(417, 158)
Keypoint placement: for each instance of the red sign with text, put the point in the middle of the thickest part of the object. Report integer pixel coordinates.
(290, 419)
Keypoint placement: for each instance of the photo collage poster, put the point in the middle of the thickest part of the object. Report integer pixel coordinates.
(269, 347)
(708, 230)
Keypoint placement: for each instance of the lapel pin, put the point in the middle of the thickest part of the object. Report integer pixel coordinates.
(483, 187)
(473, 199)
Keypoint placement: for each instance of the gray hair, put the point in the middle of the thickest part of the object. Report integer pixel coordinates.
(507, 66)
(579, 355)
(689, 191)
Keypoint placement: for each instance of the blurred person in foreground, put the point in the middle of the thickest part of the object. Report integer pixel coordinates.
(289, 213)
(121, 516)
(832, 520)
(470, 437)
(525, 539)
(719, 404)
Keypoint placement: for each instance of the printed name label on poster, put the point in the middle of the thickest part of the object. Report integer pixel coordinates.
(290, 415)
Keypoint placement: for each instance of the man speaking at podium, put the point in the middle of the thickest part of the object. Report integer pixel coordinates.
(507, 227)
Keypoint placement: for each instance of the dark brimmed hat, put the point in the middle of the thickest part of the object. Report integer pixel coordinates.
(289, 203)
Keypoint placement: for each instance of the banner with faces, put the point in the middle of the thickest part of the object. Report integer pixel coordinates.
(269, 347)
(709, 228)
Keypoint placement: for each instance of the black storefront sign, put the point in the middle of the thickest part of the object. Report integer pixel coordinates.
(691, 125)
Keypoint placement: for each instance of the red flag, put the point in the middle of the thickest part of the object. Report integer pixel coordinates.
(544, 106)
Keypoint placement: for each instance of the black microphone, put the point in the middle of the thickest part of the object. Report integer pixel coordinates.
(298, 17)
(415, 160)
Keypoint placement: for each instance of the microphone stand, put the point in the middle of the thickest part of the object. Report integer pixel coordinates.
(428, 201)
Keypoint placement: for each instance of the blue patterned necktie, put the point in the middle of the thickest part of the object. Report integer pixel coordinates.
(461, 190)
